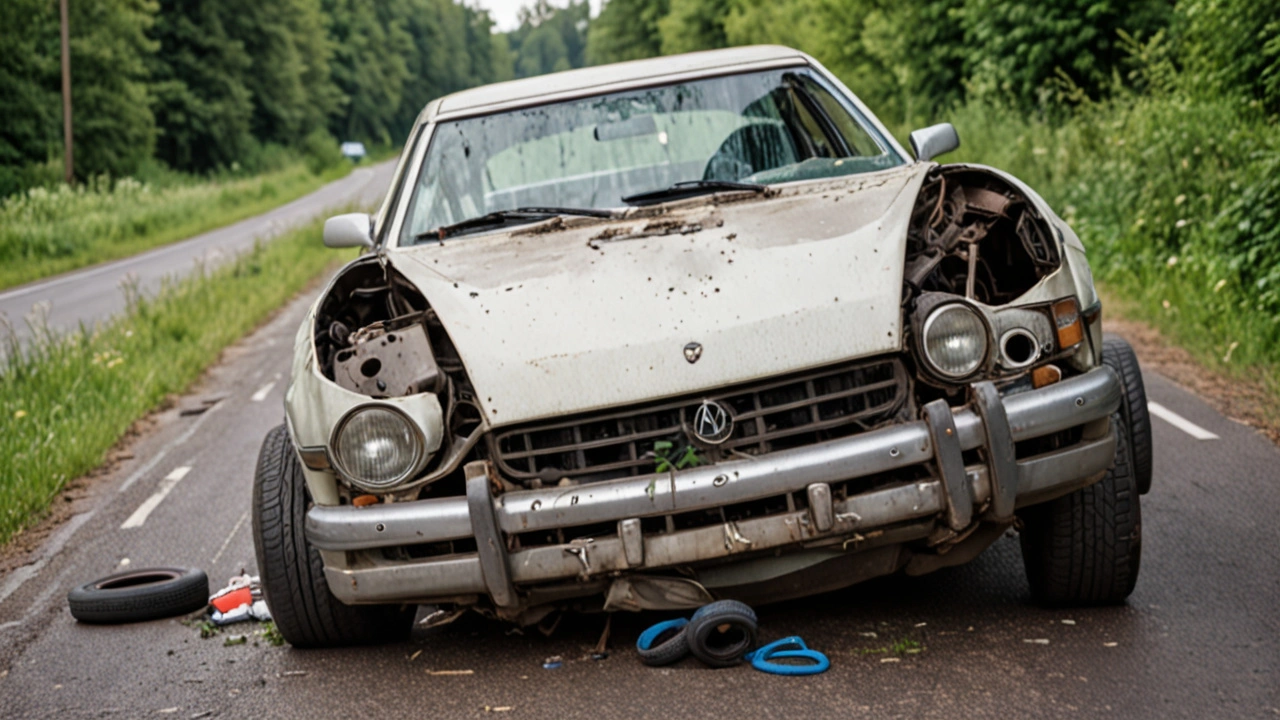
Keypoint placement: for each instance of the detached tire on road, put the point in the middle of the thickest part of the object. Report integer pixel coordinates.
(292, 572)
(1085, 548)
(1119, 356)
(138, 595)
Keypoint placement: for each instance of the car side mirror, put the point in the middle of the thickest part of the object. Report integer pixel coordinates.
(350, 230)
(928, 143)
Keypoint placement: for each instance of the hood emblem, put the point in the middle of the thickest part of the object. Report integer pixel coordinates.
(692, 352)
(712, 424)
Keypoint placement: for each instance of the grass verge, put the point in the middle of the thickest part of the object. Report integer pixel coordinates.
(64, 402)
(47, 232)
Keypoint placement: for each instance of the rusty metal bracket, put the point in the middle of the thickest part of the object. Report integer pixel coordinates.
(493, 555)
(734, 537)
(1001, 457)
(581, 548)
(950, 460)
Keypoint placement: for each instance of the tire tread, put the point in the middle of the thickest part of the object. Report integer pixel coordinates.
(1085, 548)
(1119, 355)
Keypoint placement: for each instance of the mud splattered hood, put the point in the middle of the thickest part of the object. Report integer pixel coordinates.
(576, 315)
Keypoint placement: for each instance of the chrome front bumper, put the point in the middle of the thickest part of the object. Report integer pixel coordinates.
(955, 497)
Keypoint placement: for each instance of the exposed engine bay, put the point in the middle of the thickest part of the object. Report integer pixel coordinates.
(972, 234)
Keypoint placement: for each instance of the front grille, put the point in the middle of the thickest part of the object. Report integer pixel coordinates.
(774, 415)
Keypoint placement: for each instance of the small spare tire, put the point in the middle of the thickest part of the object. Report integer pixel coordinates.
(142, 594)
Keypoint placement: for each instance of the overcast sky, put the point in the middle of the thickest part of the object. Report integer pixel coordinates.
(504, 12)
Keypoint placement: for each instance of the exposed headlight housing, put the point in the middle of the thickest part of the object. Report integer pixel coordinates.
(954, 341)
(376, 447)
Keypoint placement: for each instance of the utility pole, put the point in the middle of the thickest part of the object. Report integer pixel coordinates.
(66, 93)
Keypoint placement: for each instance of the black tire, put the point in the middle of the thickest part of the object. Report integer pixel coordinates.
(1085, 548)
(724, 606)
(670, 646)
(142, 594)
(304, 610)
(721, 637)
(1119, 356)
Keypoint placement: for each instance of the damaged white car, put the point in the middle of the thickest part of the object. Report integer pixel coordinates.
(644, 335)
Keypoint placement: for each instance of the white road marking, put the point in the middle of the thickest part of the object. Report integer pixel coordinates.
(139, 516)
(146, 468)
(1180, 422)
(263, 392)
(227, 542)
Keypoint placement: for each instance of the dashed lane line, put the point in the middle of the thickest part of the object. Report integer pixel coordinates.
(139, 516)
(59, 540)
(264, 390)
(155, 459)
(1180, 422)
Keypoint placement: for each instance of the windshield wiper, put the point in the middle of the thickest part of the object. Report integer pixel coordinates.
(693, 188)
(515, 216)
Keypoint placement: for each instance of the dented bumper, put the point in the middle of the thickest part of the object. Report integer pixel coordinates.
(955, 496)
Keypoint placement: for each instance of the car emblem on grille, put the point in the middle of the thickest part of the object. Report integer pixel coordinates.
(712, 423)
(692, 352)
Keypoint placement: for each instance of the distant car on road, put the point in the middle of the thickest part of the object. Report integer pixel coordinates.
(644, 335)
(353, 151)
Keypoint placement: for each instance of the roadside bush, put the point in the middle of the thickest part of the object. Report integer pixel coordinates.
(322, 151)
(1175, 199)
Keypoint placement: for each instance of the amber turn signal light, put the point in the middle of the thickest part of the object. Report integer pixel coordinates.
(1066, 315)
(363, 500)
(1045, 375)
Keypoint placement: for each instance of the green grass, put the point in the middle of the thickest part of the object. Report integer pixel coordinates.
(64, 402)
(46, 232)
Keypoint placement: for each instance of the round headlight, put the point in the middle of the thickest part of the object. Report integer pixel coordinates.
(955, 340)
(376, 447)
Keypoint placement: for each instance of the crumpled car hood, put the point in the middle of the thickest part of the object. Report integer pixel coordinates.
(577, 315)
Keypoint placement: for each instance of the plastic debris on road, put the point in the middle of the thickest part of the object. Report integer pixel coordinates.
(240, 600)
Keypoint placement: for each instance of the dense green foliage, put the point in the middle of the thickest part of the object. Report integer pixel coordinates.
(66, 402)
(202, 85)
(550, 39)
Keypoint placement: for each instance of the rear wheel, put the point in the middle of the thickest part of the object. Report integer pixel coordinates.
(1085, 548)
(292, 573)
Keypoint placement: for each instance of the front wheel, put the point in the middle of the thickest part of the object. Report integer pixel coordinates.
(304, 610)
(1084, 548)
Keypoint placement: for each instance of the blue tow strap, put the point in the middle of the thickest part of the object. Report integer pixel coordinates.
(645, 641)
(788, 648)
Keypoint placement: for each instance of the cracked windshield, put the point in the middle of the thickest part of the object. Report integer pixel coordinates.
(763, 128)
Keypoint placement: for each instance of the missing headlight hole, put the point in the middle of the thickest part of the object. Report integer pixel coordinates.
(1019, 348)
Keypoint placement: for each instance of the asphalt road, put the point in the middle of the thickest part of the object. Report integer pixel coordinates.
(1198, 638)
(94, 294)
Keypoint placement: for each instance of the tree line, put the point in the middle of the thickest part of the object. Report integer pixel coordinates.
(912, 59)
(201, 85)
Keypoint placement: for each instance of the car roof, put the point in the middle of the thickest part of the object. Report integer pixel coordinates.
(606, 78)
